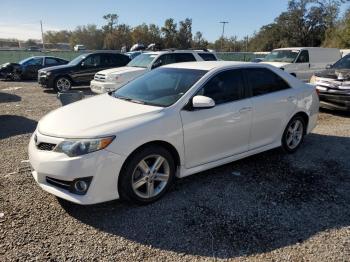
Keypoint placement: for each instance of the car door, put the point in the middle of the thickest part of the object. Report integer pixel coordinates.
(221, 131)
(31, 68)
(88, 68)
(273, 102)
(303, 66)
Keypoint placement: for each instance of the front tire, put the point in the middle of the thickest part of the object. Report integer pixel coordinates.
(293, 135)
(62, 84)
(147, 175)
(16, 76)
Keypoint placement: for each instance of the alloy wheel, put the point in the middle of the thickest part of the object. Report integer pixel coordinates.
(294, 133)
(63, 84)
(150, 176)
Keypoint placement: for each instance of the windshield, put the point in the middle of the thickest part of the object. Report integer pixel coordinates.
(160, 87)
(143, 60)
(343, 63)
(22, 62)
(287, 56)
(77, 60)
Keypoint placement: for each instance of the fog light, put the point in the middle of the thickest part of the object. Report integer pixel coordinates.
(80, 186)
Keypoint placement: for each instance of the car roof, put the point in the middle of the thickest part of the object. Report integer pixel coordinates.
(210, 65)
(176, 51)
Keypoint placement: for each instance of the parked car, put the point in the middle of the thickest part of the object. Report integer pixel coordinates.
(177, 120)
(80, 70)
(333, 85)
(34, 48)
(79, 48)
(257, 60)
(29, 67)
(112, 79)
(302, 62)
(133, 54)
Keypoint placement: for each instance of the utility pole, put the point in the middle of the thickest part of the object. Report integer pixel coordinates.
(42, 33)
(223, 32)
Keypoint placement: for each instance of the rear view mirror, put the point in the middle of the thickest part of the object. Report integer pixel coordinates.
(202, 102)
(329, 66)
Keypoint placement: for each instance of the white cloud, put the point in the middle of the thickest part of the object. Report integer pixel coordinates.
(23, 31)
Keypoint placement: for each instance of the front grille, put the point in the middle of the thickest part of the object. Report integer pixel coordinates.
(46, 146)
(100, 77)
(59, 183)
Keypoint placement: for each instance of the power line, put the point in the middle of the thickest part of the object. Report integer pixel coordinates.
(223, 32)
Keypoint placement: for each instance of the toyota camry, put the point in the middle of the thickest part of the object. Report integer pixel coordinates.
(174, 121)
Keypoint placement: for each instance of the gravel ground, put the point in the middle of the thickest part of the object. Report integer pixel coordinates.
(271, 206)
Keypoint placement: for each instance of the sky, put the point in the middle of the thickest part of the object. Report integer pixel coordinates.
(21, 18)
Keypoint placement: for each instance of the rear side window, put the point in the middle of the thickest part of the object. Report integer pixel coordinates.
(115, 60)
(51, 61)
(184, 57)
(303, 57)
(225, 87)
(263, 81)
(207, 56)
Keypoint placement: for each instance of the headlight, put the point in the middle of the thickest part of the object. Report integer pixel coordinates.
(313, 80)
(48, 73)
(83, 146)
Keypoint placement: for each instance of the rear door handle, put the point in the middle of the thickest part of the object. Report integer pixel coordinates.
(245, 109)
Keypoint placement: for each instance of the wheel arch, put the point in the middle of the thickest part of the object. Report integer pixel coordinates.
(63, 75)
(168, 146)
(305, 117)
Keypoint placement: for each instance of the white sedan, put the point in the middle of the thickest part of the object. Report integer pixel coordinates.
(173, 121)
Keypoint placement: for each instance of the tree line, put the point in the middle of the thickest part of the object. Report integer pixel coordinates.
(304, 23)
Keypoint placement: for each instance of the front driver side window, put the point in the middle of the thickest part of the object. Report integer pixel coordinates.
(164, 60)
(225, 87)
(303, 57)
(93, 61)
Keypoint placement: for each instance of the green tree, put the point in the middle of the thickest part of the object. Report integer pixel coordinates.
(169, 31)
(184, 35)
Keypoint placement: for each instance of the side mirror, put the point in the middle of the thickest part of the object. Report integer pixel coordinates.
(329, 66)
(202, 102)
(82, 64)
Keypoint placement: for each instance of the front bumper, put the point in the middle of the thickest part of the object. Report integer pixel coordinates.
(43, 80)
(99, 87)
(333, 98)
(103, 166)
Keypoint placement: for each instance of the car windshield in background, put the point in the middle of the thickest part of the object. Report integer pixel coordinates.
(24, 61)
(160, 87)
(343, 63)
(77, 60)
(287, 56)
(143, 60)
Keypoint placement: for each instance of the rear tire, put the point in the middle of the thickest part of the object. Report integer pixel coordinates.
(62, 84)
(293, 135)
(147, 175)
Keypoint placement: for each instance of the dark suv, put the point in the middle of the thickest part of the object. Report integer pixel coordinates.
(80, 70)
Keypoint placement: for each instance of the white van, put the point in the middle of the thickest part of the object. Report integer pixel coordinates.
(302, 62)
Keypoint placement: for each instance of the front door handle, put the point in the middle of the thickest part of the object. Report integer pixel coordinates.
(245, 109)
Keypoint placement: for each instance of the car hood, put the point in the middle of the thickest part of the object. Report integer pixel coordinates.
(122, 70)
(276, 64)
(98, 116)
(336, 74)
